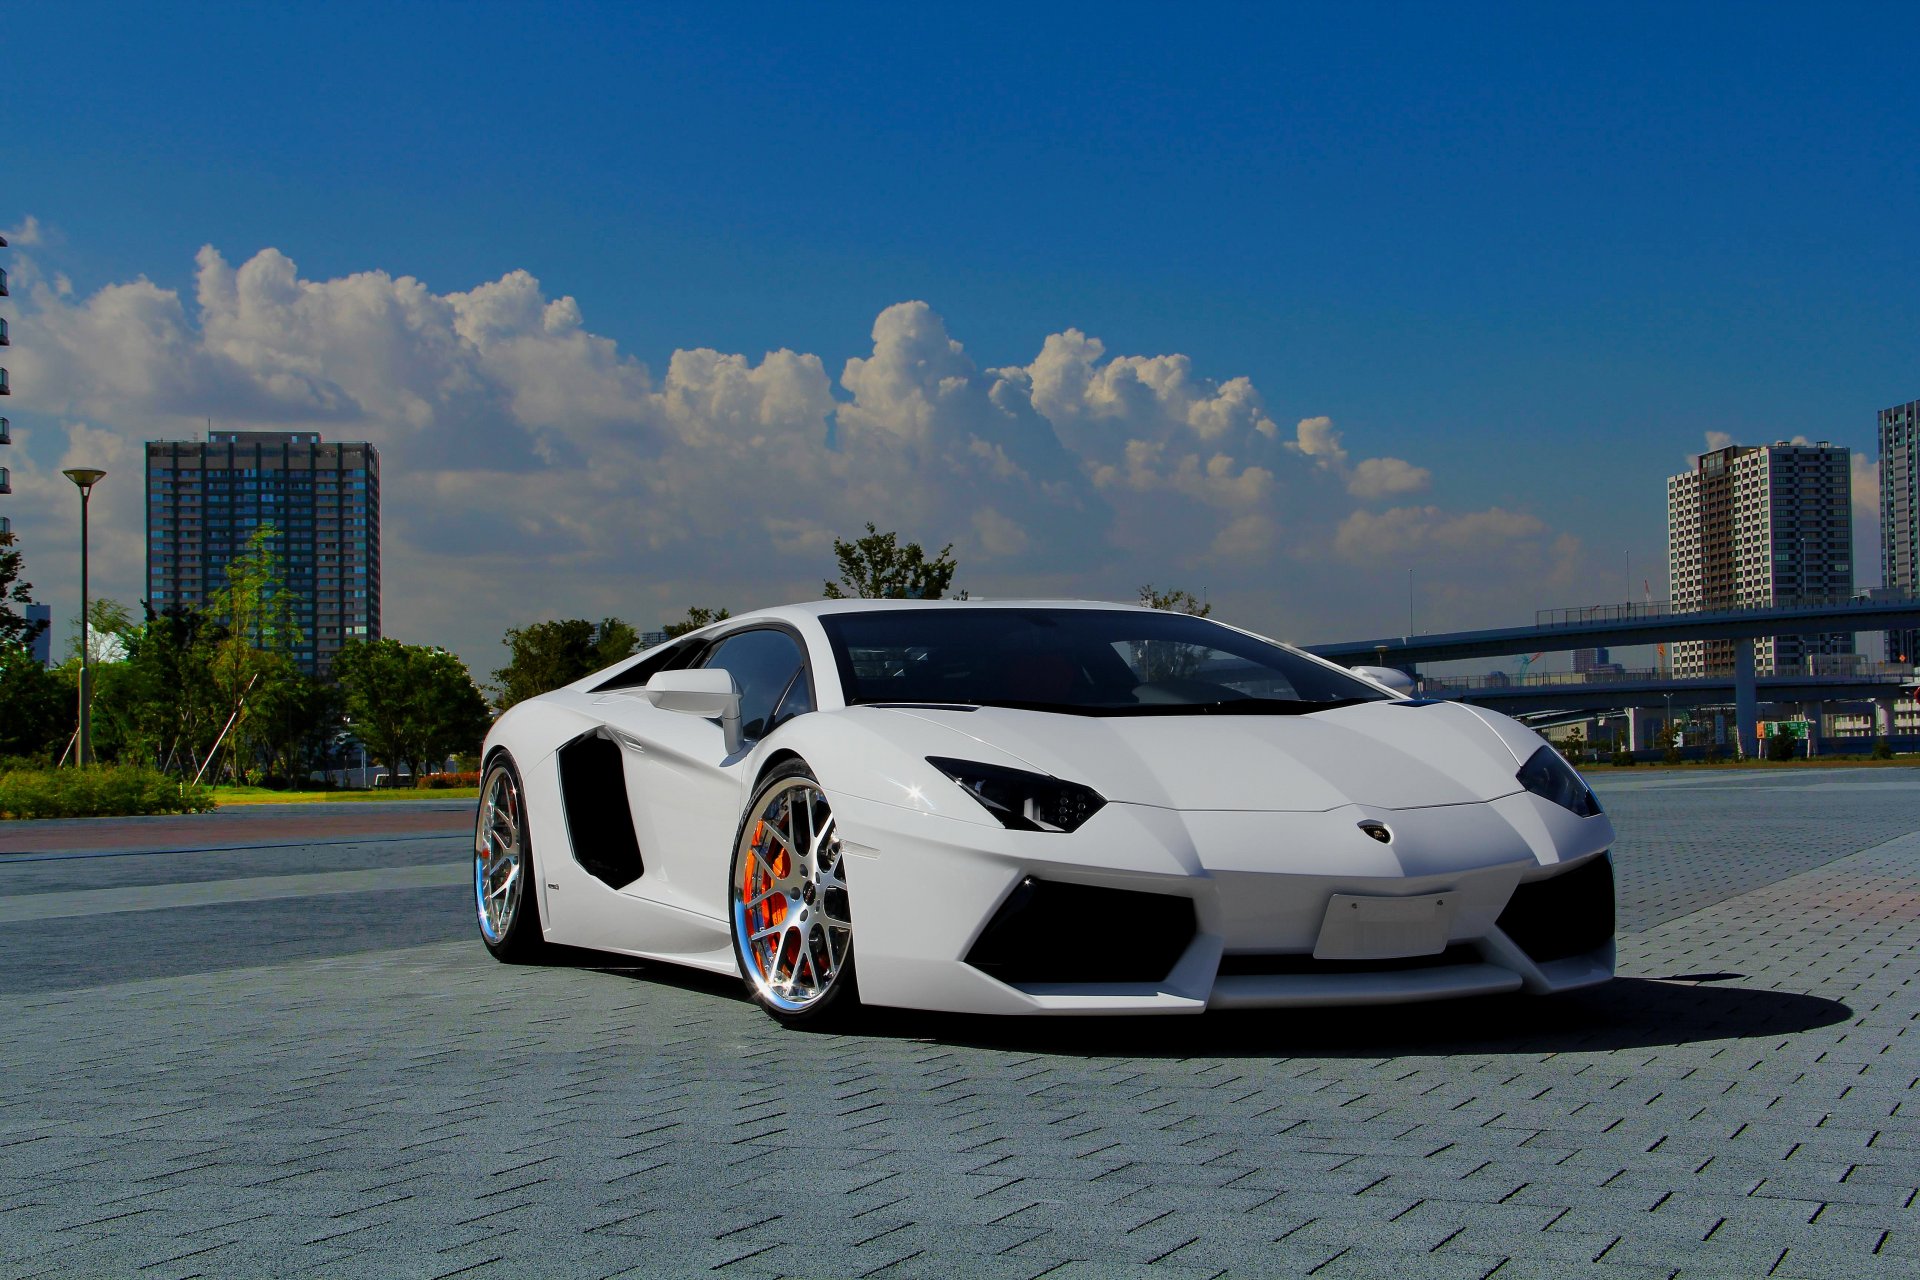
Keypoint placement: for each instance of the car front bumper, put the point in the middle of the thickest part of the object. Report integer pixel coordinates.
(1262, 886)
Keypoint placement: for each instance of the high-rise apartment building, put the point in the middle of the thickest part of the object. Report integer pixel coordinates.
(6, 428)
(1753, 526)
(1900, 515)
(204, 500)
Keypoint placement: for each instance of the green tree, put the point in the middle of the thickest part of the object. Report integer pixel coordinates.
(1169, 660)
(614, 639)
(543, 656)
(39, 705)
(697, 617)
(1174, 601)
(257, 650)
(109, 623)
(15, 629)
(877, 567)
(412, 705)
(163, 698)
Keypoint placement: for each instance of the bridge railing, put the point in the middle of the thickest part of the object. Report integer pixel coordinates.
(1637, 610)
(1872, 672)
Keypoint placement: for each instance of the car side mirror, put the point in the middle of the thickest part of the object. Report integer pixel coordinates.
(699, 692)
(1392, 677)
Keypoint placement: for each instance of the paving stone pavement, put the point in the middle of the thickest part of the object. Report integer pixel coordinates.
(1744, 1102)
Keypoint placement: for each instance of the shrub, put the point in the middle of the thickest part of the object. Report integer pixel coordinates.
(1780, 746)
(1882, 749)
(101, 791)
(446, 781)
(1622, 759)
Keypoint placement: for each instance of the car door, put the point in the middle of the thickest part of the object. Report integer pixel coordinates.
(691, 792)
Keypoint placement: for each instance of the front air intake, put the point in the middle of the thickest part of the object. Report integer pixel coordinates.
(1565, 915)
(1048, 932)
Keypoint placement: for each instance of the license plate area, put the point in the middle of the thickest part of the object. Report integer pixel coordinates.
(1358, 927)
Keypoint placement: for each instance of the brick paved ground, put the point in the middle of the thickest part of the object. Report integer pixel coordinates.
(343, 1084)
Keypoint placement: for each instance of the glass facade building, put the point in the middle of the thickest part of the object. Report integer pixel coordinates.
(205, 499)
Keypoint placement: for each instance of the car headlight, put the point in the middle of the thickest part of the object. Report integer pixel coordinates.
(1023, 801)
(1548, 775)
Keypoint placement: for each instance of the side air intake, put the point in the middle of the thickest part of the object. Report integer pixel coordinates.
(593, 787)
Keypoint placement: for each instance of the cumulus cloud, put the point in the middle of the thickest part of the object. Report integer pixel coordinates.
(1866, 486)
(534, 468)
(1316, 439)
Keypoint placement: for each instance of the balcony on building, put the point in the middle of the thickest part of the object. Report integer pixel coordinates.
(3, 282)
(6, 431)
(6, 527)
(5, 390)
(6, 480)
(4, 340)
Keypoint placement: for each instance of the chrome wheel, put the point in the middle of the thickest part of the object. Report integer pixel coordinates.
(790, 918)
(499, 854)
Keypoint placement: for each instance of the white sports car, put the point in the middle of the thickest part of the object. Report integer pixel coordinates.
(1036, 807)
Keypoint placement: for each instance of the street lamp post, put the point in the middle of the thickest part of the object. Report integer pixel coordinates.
(85, 478)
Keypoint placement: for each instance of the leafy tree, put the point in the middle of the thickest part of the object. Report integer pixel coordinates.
(614, 639)
(1174, 601)
(877, 567)
(412, 705)
(295, 723)
(257, 650)
(545, 655)
(1167, 660)
(108, 623)
(15, 629)
(163, 701)
(40, 705)
(697, 617)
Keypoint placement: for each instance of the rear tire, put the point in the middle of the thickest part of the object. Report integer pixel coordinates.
(505, 895)
(787, 892)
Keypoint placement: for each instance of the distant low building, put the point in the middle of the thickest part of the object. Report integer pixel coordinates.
(43, 642)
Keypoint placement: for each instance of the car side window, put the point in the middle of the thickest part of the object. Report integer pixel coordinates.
(765, 664)
(671, 658)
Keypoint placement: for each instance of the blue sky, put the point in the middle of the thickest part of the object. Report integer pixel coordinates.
(1536, 252)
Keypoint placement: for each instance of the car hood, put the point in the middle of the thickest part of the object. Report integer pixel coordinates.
(1387, 755)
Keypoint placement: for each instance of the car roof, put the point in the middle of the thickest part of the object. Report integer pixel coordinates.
(821, 608)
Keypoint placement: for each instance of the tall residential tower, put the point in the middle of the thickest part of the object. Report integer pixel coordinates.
(6, 428)
(1900, 515)
(204, 500)
(1752, 526)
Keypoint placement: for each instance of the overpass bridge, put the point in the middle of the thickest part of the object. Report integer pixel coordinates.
(1563, 630)
(1558, 630)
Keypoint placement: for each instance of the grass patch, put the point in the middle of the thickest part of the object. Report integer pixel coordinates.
(264, 795)
(108, 790)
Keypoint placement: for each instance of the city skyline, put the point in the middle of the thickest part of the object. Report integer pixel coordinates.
(1278, 381)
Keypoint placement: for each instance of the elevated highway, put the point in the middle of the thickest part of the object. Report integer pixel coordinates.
(1563, 630)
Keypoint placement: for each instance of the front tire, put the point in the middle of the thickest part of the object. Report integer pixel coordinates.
(504, 894)
(792, 927)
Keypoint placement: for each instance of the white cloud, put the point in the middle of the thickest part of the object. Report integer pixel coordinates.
(1866, 486)
(1315, 438)
(534, 468)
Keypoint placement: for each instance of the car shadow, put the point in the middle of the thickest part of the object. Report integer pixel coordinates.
(1626, 1013)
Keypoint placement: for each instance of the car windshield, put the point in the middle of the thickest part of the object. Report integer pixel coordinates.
(1084, 661)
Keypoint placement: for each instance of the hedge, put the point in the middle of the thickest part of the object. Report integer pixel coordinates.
(99, 791)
